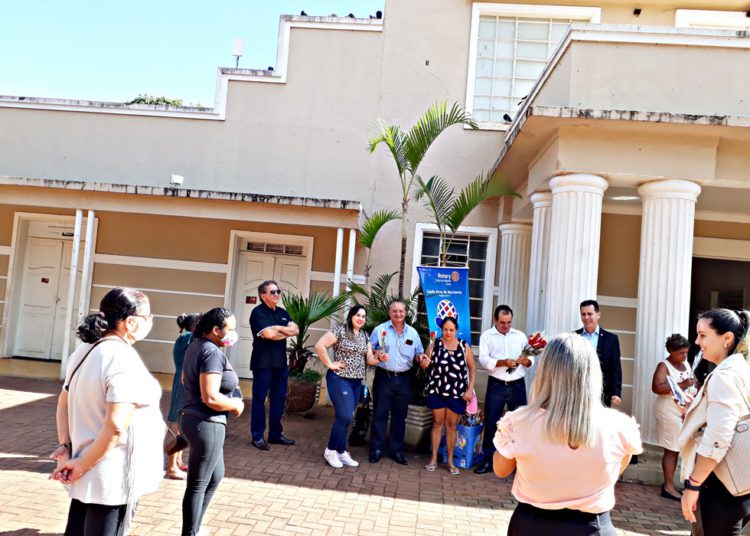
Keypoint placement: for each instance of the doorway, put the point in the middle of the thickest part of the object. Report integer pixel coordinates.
(258, 259)
(44, 250)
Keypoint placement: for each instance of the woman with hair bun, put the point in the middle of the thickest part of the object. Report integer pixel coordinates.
(186, 322)
(709, 424)
(211, 394)
(668, 417)
(109, 423)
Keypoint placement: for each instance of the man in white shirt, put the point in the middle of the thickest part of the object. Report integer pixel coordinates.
(500, 349)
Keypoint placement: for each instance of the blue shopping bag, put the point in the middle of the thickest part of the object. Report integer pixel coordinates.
(468, 451)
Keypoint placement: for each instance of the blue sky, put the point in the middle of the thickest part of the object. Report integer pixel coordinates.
(110, 50)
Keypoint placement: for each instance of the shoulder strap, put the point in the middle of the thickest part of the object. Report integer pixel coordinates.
(97, 343)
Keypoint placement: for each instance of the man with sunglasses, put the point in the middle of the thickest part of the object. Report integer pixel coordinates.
(271, 325)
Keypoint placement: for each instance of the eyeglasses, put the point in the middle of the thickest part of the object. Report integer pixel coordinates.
(145, 317)
(275, 292)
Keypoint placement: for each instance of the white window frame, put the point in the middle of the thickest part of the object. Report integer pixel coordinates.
(703, 18)
(491, 233)
(585, 14)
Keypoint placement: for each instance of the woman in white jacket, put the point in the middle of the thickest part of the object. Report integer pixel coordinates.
(710, 421)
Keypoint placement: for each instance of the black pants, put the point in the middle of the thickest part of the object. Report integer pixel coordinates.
(205, 468)
(88, 519)
(391, 394)
(719, 512)
(528, 520)
(499, 394)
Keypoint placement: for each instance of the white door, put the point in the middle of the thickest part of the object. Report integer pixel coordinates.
(62, 299)
(44, 294)
(254, 268)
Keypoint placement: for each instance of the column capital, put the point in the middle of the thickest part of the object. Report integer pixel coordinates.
(514, 228)
(579, 182)
(670, 189)
(541, 199)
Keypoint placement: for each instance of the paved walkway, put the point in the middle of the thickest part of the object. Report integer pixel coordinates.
(289, 490)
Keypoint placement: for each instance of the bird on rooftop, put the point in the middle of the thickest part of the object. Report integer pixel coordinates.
(270, 68)
(507, 118)
(378, 14)
(351, 16)
(302, 13)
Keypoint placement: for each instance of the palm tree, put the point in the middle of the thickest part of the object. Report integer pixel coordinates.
(370, 229)
(408, 149)
(305, 312)
(449, 211)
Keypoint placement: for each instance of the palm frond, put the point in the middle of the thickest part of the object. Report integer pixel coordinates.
(306, 311)
(478, 191)
(434, 121)
(396, 140)
(436, 196)
(373, 224)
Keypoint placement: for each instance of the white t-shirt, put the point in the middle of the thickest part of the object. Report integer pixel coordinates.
(113, 372)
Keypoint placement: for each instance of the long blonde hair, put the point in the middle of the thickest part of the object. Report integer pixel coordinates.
(568, 386)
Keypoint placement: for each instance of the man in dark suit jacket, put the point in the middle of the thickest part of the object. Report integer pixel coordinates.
(607, 347)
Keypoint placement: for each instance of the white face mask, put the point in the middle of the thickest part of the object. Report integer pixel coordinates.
(143, 329)
(230, 339)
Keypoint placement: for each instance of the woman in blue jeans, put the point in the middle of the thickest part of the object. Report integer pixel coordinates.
(211, 393)
(351, 354)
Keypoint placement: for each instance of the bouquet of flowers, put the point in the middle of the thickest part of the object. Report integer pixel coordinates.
(534, 347)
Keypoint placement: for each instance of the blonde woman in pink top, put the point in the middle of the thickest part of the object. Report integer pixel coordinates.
(567, 448)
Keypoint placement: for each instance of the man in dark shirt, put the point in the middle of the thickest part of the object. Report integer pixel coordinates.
(271, 325)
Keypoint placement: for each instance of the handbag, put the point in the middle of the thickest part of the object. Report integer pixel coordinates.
(734, 469)
(174, 443)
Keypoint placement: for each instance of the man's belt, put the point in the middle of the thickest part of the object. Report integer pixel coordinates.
(505, 382)
(393, 373)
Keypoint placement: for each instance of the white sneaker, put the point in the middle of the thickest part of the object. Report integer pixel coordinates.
(347, 460)
(332, 457)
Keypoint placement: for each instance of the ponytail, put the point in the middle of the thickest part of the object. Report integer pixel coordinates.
(116, 305)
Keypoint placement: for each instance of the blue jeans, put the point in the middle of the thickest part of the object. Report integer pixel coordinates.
(205, 468)
(272, 383)
(391, 394)
(344, 393)
(498, 396)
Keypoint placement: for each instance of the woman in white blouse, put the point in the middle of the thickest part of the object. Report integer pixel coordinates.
(709, 424)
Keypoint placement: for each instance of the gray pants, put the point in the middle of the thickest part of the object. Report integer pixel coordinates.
(205, 468)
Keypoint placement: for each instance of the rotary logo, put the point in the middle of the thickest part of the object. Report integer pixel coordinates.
(454, 277)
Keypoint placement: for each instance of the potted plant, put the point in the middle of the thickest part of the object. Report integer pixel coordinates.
(304, 383)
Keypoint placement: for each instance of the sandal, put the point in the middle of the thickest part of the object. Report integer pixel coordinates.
(452, 469)
(431, 467)
(175, 476)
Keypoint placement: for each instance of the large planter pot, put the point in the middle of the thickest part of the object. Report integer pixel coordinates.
(418, 428)
(301, 397)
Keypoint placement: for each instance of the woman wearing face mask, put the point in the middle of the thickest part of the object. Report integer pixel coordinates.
(211, 393)
(108, 419)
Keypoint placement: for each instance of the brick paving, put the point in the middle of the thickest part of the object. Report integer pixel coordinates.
(289, 490)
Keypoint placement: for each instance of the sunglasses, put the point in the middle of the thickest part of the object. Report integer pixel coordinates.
(275, 292)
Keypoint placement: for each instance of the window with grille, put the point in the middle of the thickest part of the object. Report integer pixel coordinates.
(464, 250)
(512, 46)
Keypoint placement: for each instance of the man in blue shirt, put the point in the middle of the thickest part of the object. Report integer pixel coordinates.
(271, 326)
(397, 346)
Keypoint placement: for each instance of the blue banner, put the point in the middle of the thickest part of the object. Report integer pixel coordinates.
(446, 293)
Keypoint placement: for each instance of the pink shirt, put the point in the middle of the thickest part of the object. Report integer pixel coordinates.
(554, 476)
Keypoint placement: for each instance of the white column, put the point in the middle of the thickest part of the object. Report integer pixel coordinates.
(513, 279)
(540, 234)
(337, 264)
(350, 260)
(88, 250)
(71, 292)
(663, 284)
(574, 248)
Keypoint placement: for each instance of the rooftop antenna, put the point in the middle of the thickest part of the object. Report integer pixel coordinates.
(239, 48)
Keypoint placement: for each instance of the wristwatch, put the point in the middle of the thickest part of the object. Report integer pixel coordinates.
(689, 485)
